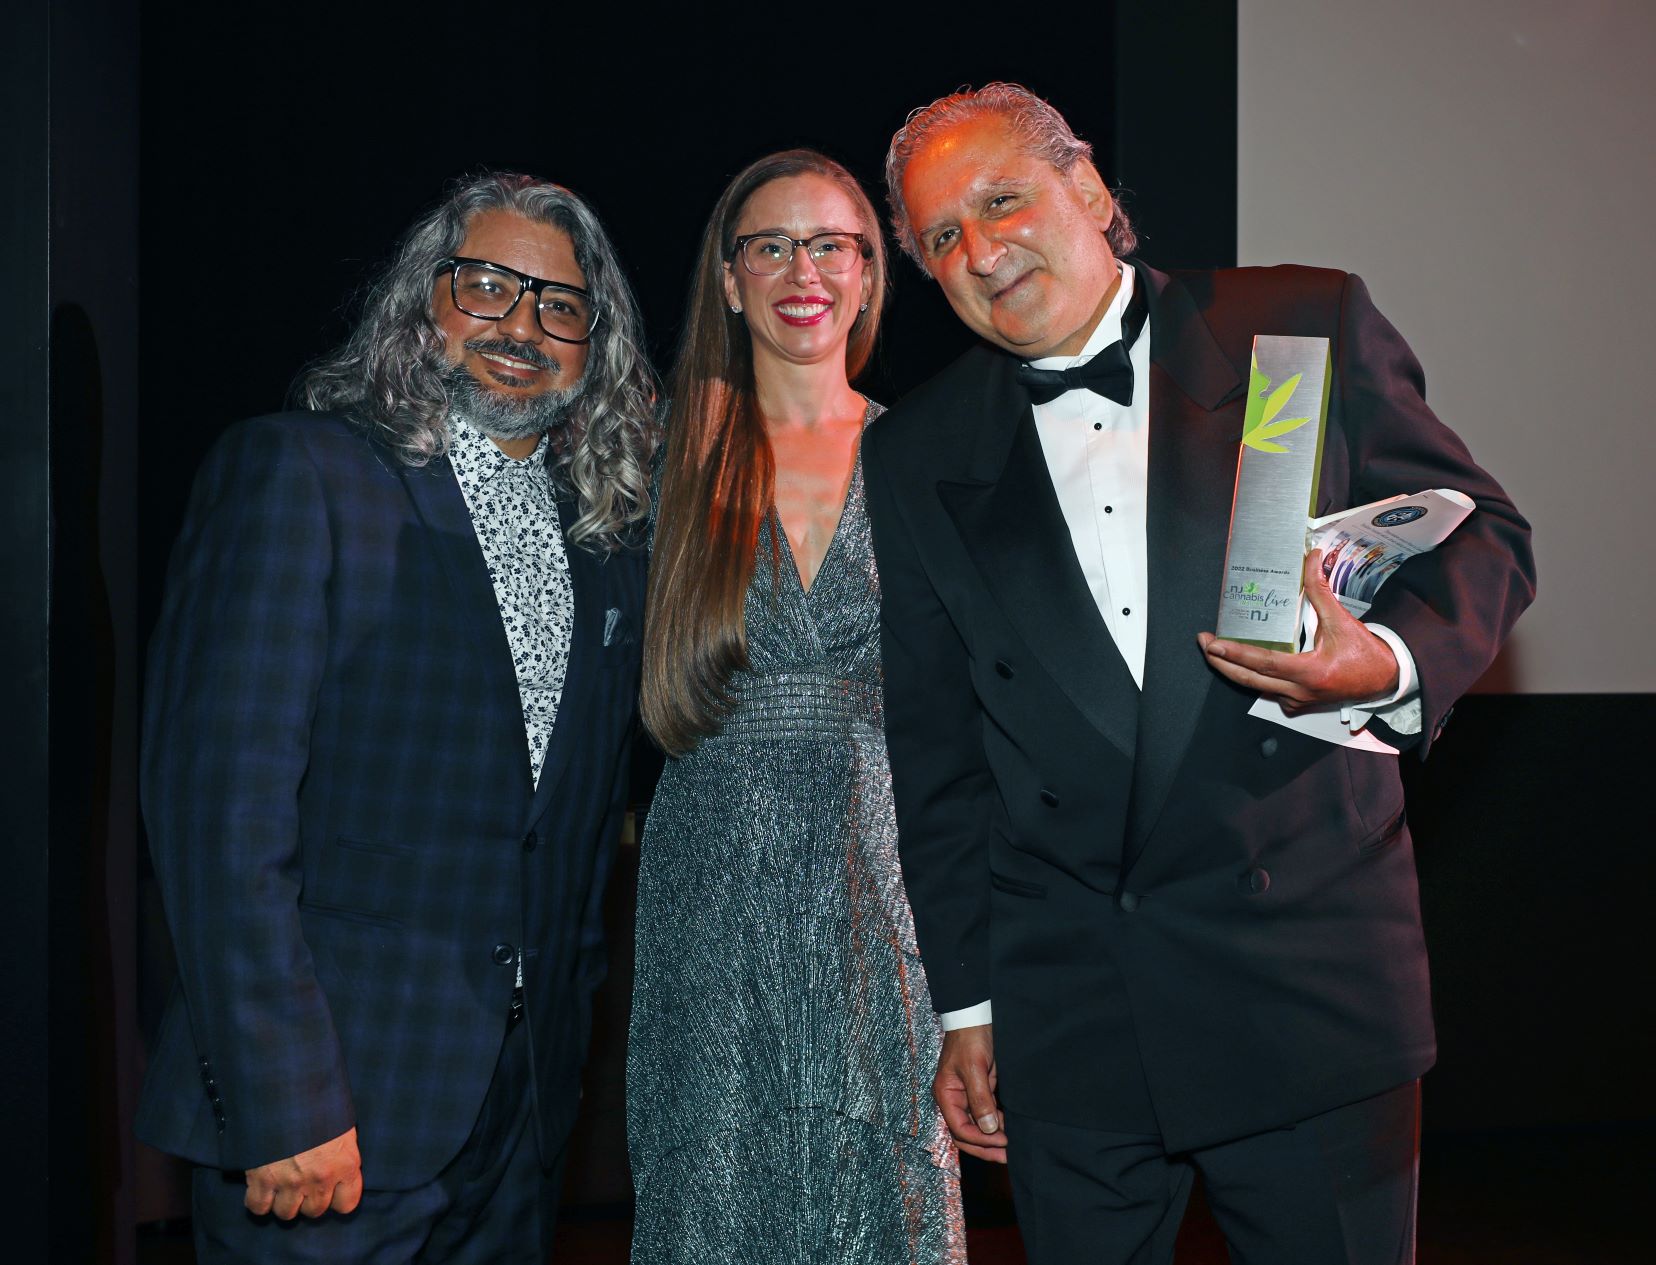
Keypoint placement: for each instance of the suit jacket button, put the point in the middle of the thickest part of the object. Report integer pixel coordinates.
(503, 954)
(1268, 748)
(1048, 798)
(529, 841)
(1256, 882)
(1127, 901)
(1004, 669)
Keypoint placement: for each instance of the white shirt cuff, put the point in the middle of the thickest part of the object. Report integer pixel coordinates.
(1407, 680)
(970, 1017)
(1401, 708)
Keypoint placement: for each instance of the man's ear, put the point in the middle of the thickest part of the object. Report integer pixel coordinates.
(1094, 192)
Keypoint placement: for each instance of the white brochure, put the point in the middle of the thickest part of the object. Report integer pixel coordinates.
(1362, 548)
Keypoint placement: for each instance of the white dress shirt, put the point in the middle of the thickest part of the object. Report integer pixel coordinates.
(1098, 453)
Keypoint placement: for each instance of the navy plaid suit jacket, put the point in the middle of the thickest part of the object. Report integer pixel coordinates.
(337, 791)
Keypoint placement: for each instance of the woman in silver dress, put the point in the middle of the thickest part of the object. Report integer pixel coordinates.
(783, 1039)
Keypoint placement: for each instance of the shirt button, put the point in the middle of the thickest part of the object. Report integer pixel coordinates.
(1126, 610)
(1098, 425)
(1109, 509)
(503, 954)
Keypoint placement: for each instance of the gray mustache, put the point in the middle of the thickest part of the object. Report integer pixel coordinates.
(519, 351)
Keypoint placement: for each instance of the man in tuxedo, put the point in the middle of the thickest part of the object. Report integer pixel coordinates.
(1168, 937)
(388, 716)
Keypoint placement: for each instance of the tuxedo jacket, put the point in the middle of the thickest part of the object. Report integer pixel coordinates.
(1190, 921)
(338, 796)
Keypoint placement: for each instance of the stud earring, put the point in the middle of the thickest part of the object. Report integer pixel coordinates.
(735, 309)
(863, 308)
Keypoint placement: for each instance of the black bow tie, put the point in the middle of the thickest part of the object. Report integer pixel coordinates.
(1109, 373)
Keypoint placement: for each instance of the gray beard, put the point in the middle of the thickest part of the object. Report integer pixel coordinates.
(500, 415)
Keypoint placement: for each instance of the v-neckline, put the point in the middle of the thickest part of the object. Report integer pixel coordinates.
(805, 590)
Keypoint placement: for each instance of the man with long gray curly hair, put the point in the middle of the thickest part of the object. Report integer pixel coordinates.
(400, 377)
(390, 701)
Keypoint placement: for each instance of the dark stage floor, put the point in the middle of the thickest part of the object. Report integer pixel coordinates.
(1552, 1197)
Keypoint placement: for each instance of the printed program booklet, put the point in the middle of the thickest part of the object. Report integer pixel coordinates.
(1362, 548)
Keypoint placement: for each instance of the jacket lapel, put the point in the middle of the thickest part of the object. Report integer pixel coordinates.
(1014, 531)
(586, 577)
(441, 505)
(1195, 432)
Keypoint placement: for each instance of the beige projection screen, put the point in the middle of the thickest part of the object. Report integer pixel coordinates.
(1487, 168)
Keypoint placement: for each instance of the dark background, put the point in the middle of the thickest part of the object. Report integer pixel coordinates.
(281, 161)
(194, 196)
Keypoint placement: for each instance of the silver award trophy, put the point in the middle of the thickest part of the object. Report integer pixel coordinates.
(1276, 491)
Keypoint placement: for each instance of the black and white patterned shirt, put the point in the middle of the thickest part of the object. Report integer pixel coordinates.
(515, 514)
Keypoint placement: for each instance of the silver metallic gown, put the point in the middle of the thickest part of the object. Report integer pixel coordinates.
(783, 1041)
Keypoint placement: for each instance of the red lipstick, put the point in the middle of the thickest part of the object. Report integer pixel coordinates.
(796, 309)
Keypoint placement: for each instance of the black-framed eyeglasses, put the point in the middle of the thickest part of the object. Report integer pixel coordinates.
(766, 254)
(490, 291)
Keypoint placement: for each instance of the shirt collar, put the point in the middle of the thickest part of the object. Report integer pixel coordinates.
(478, 459)
(1107, 331)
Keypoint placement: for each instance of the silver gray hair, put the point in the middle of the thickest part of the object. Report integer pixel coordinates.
(390, 375)
(1040, 129)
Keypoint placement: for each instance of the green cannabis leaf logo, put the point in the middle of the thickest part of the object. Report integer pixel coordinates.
(1260, 424)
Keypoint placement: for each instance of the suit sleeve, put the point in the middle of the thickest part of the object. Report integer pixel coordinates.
(942, 784)
(235, 668)
(1453, 607)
